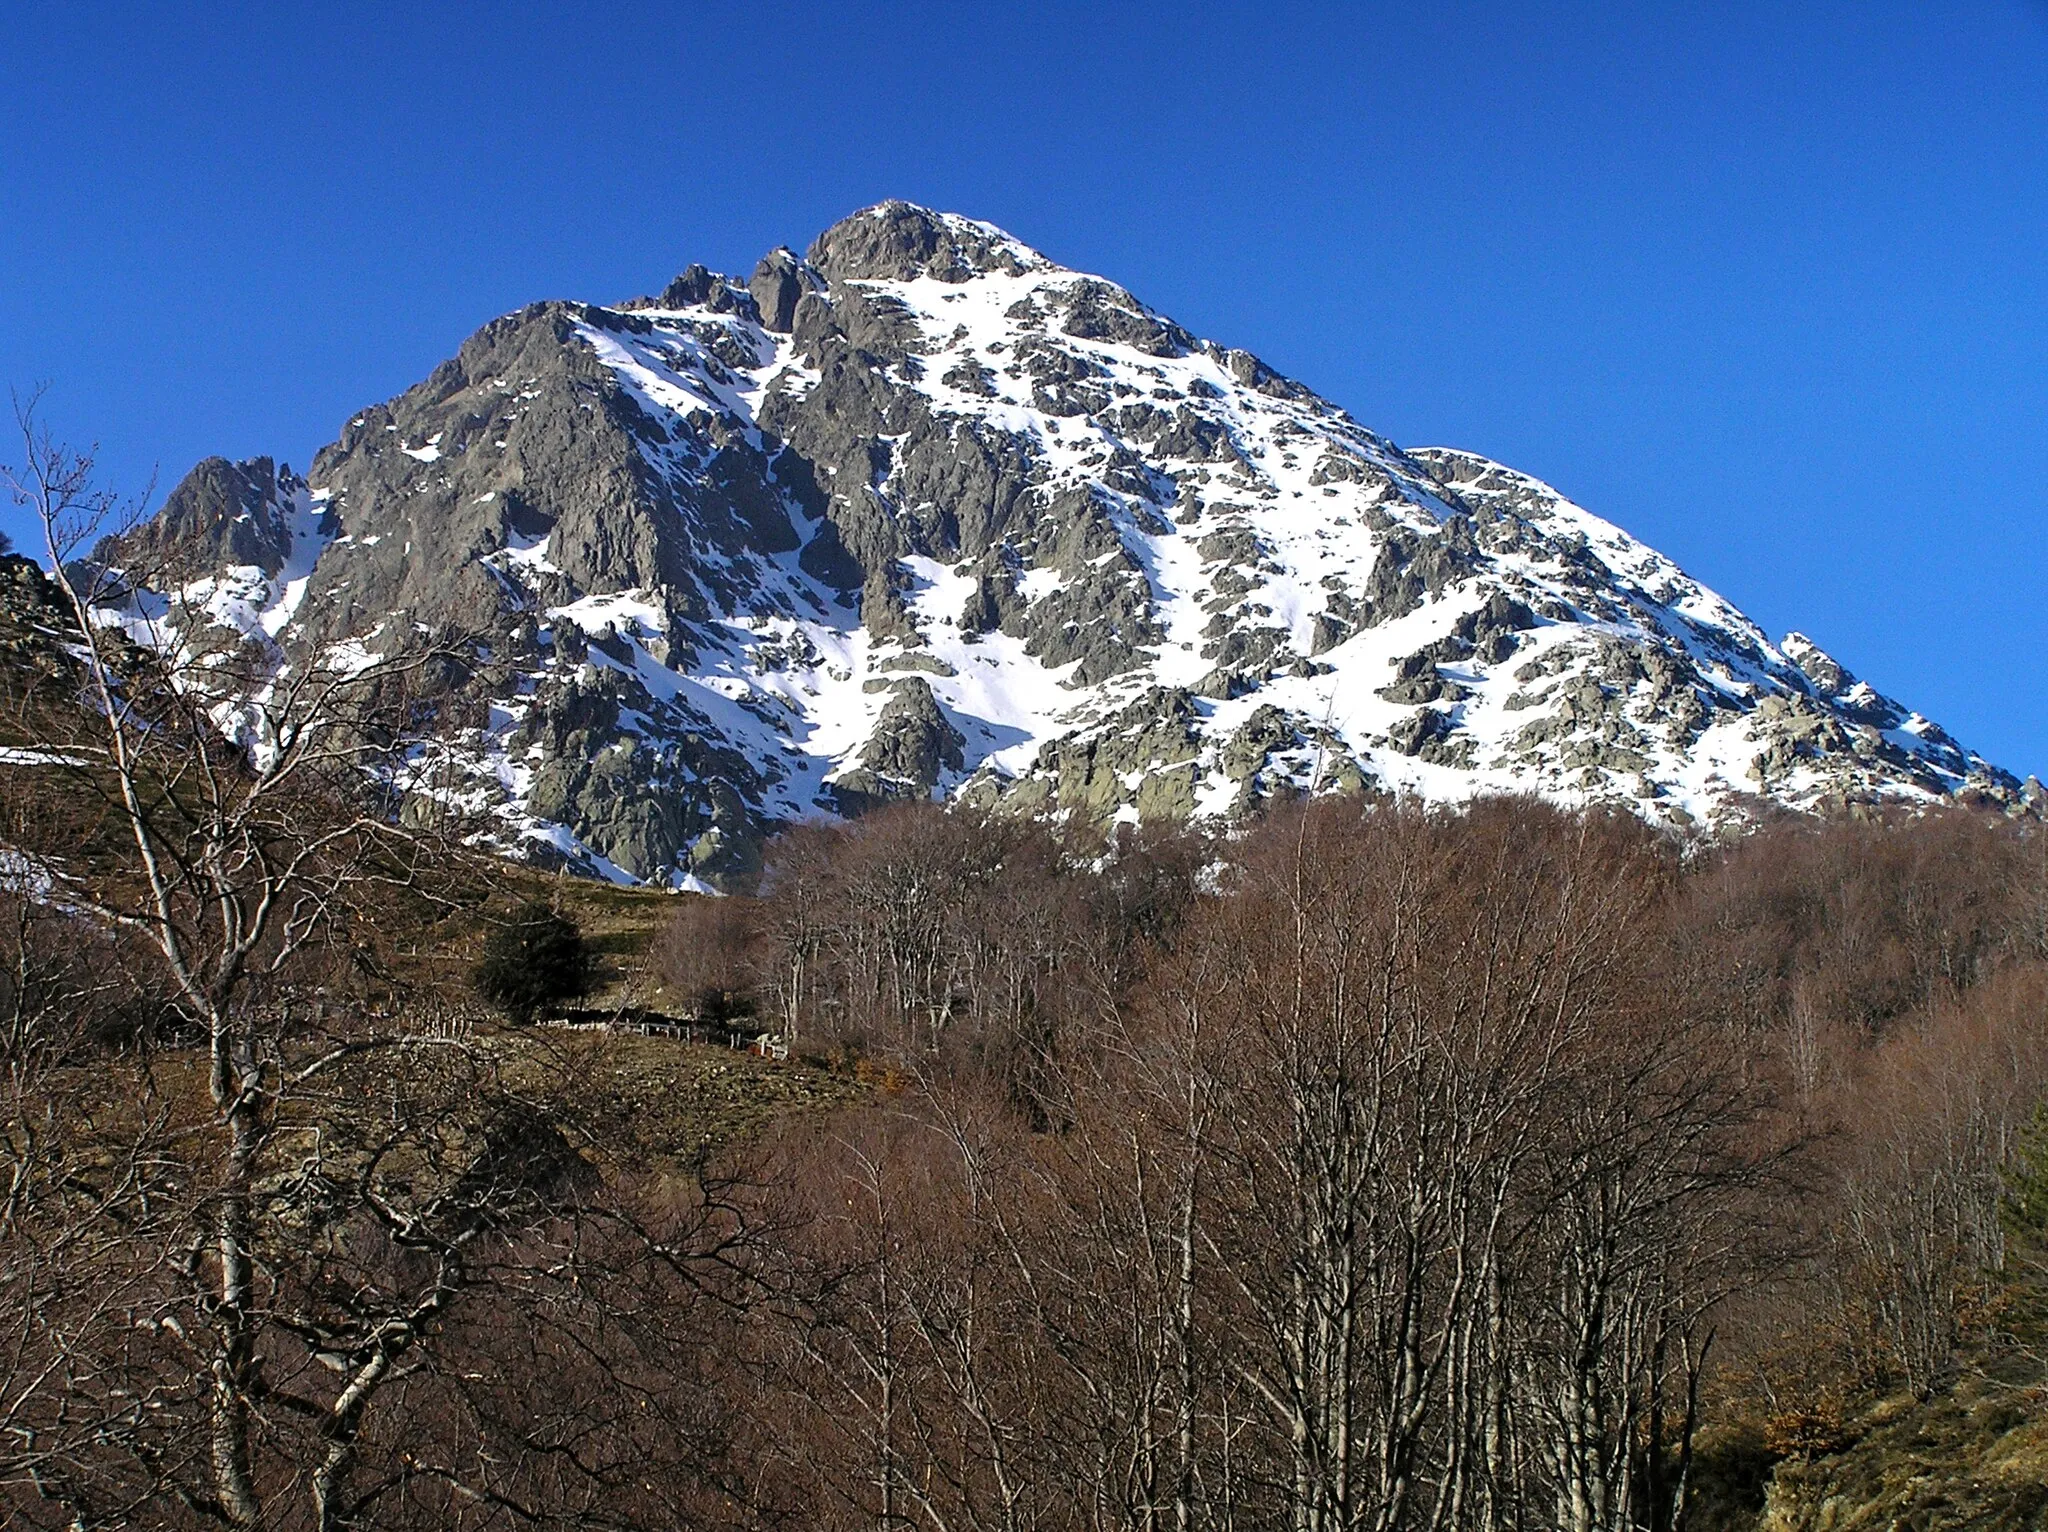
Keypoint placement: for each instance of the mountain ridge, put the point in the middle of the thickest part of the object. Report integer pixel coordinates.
(921, 511)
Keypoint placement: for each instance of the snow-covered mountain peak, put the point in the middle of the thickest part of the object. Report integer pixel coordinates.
(924, 512)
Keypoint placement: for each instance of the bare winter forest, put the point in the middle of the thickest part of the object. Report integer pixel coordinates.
(1377, 1168)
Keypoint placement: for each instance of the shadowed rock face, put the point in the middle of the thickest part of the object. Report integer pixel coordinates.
(924, 512)
(221, 515)
(777, 286)
(899, 242)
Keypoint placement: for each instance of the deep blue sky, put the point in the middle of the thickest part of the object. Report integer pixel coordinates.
(1769, 291)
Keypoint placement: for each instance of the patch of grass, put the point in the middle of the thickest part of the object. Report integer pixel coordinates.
(652, 1102)
(635, 1106)
(1973, 1457)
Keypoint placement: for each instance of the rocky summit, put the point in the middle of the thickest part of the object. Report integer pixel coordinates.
(922, 512)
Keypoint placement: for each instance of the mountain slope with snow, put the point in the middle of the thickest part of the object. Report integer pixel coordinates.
(923, 512)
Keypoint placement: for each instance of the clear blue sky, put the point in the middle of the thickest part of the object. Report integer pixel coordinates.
(1769, 290)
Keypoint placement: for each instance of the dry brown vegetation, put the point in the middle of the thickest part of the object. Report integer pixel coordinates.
(1499, 1168)
(1495, 1167)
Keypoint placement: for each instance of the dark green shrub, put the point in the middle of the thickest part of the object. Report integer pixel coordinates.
(536, 959)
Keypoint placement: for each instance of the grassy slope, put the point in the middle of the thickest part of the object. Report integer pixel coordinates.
(1974, 1456)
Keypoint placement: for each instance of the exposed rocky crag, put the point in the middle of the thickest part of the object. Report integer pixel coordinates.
(922, 512)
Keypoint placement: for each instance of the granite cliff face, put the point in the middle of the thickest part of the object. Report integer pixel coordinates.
(922, 512)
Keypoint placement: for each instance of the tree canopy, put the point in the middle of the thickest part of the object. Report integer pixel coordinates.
(536, 959)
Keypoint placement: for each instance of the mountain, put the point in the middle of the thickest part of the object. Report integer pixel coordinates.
(921, 511)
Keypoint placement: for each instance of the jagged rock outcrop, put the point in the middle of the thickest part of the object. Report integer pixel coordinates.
(221, 515)
(922, 512)
(909, 753)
